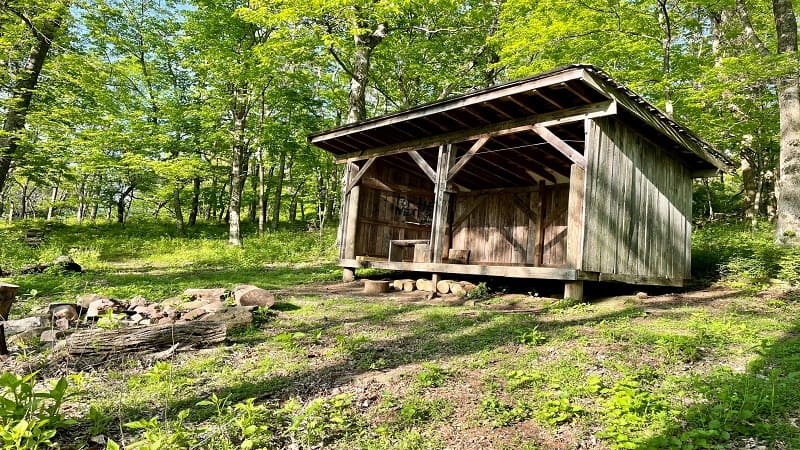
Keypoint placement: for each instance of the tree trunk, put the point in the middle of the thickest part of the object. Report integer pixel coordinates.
(53, 198)
(364, 45)
(276, 205)
(176, 204)
(749, 186)
(788, 190)
(20, 98)
(123, 197)
(24, 201)
(195, 201)
(93, 214)
(237, 159)
(212, 207)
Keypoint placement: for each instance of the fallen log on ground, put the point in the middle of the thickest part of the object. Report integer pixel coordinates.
(146, 338)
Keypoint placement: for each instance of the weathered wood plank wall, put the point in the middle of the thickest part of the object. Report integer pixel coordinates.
(638, 205)
(393, 204)
(499, 232)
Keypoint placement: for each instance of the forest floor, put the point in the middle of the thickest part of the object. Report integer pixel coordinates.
(710, 367)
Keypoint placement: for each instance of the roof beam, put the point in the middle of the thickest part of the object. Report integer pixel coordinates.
(354, 181)
(600, 109)
(467, 156)
(560, 145)
(426, 168)
(572, 73)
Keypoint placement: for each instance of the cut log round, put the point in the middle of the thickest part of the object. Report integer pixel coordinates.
(97, 342)
(249, 295)
(443, 286)
(409, 285)
(457, 290)
(400, 284)
(424, 285)
(467, 286)
(374, 287)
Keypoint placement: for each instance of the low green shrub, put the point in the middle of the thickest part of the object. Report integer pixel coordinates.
(30, 417)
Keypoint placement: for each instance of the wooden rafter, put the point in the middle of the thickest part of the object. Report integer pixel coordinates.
(565, 149)
(467, 156)
(522, 105)
(570, 115)
(548, 99)
(575, 92)
(426, 168)
(361, 171)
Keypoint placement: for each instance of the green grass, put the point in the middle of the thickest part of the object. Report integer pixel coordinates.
(719, 369)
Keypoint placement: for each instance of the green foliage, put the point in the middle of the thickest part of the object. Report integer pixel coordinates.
(532, 337)
(30, 418)
(742, 255)
(155, 436)
(322, 420)
(480, 291)
(628, 409)
(433, 375)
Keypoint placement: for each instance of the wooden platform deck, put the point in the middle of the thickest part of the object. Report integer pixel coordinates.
(544, 273)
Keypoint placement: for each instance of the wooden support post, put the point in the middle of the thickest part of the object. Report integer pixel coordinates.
(574, 255)
(3, 345)
(350, 223)
(441, 202)
(573, 290)
(540, 226)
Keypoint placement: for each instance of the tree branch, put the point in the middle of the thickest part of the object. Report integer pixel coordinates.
(749, 31)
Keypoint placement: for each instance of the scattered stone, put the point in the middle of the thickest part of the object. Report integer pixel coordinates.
(214, 307)
(137, 302)
(67, 264)
(67, 311)
(18, 326)
(86, 299)
(249, 295)
(147, 311)
(469, 303)
(206, 294)
(26, 336)
(136, 318)
(641, 295)
(34, 269)
(52, 335)
(164, 320)
(170, 312)
(194, 314)
(233, 317)
(98, 307)
(194, 304)
(61, 324)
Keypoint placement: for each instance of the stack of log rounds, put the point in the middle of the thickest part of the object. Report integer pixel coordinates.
(406, 285)
(457, 288)
(374, 287)
(8, 292)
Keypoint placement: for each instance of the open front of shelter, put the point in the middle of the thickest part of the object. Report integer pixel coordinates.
(563, 176)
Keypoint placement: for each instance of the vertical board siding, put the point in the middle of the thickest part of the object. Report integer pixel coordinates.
(384, 215)
(638, 205)
(497, 232)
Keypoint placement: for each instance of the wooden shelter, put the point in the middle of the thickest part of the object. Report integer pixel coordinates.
(563, 176)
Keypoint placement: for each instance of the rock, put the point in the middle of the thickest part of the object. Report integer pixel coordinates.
(86, 299)
(67, 264)
(136, 302)
(67, 311)
(206, 294)
(147, 311)
(248, 295)
(641, 295)
(233, 317)
(214, 307)
(100, 306)
(52, 335)
(61, 324)
(194, 314)
(34, 269)
(170, 312)
(194, 304)
(136, 318)
(13, 327)
(374, 287)
(26, 336)
(164, 320)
